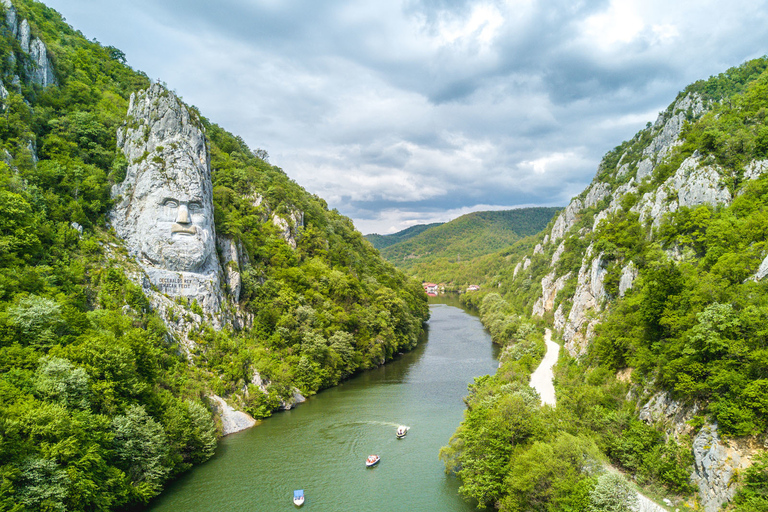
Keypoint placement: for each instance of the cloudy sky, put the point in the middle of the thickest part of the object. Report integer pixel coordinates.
(402, 112)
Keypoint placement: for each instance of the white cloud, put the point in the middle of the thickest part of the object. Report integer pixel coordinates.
(415, 110)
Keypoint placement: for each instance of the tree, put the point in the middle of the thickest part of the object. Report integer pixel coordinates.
(141, 449)
(612, 494)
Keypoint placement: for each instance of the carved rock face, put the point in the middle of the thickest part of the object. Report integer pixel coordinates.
(174, 228)
(164, 206)
(165, 211)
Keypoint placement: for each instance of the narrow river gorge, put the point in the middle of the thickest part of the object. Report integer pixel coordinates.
(321, 445)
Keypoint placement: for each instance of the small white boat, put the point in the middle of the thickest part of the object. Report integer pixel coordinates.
(372, 460)
(298, 497)
(401, 431)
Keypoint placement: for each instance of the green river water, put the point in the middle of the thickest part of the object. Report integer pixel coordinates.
(321, 445)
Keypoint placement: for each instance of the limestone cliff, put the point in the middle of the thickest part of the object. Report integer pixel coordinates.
(647, 180)
(164, 209)
(37, 69)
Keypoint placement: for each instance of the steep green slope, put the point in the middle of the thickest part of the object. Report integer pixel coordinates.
(661, 303)
(464, 238)
(382, 241)
(99, 405)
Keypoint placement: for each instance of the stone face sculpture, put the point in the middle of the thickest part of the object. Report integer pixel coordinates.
(164, 207)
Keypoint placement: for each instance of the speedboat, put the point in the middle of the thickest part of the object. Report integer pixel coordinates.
(372, 460)
(401, 431)
(298, 497)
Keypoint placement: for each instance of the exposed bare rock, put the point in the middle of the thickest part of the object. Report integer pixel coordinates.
(546, 240)
(549, 290)
(230, 261)
(644, 168)
(517, 269)
(566, 220)
(560, 319)
(716, 464)
(285, 405)
(558, 252)
(597, 192)
(627, 279)
(673, 415)
(289, 226)
(164, 210)
(526, 263)
(691, 185)
(590, 291)
(39, 69)
(538, 250)
(622, 169)
(762, 271)
(231, 420)
(755, 169)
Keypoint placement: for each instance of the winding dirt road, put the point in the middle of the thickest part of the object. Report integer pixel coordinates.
(541, 379)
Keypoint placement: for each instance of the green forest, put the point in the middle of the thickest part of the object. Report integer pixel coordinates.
(692, 325)
(449, 252)
(99, 405)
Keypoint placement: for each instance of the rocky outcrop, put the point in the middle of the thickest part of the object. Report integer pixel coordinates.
(716, 466)
(559, 321)
(39, 69)
(672, 415)
(517, 269)
(755, 169)
(597, 192)
(590, 292)
(628, 275)
(231, 420)
(668, 126)
(164, 213)
(556, 255)
(692, 184)
(566, 220)
(762, 271)
(549, 289)
(288, 226)
(285, 404)
(232, 259)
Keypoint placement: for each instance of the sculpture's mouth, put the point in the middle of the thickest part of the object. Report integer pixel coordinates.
(183, 230)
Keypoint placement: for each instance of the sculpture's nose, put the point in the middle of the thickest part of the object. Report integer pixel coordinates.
(183, 216)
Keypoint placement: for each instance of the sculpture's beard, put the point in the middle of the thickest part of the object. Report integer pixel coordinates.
(179, 248)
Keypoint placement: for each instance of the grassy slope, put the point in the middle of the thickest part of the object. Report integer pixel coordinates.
(454, 250)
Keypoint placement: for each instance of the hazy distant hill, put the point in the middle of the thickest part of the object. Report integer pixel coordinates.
(382, 241)
(468, 236)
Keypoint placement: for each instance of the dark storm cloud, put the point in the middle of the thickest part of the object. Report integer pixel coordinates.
(414, 111)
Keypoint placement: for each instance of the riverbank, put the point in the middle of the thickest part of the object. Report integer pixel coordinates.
(321, 446)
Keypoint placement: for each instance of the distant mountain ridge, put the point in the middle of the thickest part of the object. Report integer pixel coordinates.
(466, 237)
(382, 241)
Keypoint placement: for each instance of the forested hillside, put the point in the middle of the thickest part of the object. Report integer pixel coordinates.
(437, 252)
(382, 241)
(654, 279)
(99, 403)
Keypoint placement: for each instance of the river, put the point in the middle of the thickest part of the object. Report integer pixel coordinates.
(321, 445)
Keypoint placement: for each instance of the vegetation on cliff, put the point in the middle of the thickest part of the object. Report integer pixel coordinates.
(692, 324)
(454, 251)
(98, 404)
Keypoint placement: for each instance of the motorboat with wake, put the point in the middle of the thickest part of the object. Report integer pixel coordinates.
(372, 460)
(401, 431)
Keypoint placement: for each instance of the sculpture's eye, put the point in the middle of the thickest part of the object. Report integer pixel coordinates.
(195, 206)
(171, 203)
